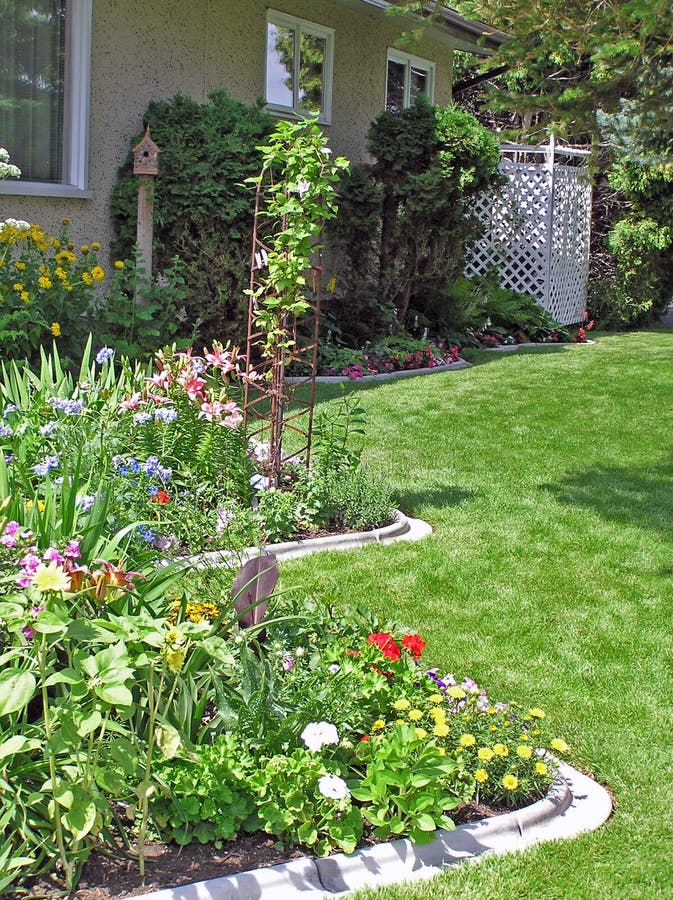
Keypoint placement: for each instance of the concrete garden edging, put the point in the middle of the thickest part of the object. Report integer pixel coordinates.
(404, 528)
(573, 805)
(508, 348)
(460, 363)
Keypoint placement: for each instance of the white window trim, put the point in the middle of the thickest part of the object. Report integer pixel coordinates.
(75, 113)
(322, 31)
(407, 60)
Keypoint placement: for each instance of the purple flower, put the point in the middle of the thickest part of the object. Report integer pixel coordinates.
(86, 503)
(52, 555)
(49, 427)
(10, 408)
(6, 431)
(68, 406)
(142, 418)
(73, 550)
(104, 355)
(166, 414)
(288, 662)
(47, 464)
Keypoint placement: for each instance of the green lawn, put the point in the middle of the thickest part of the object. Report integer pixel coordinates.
(548, 478)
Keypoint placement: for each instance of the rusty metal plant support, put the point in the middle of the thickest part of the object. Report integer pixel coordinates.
(273, 408)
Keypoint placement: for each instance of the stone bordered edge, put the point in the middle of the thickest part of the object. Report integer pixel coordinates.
(573, 805)
(460, 363)
(403, 528)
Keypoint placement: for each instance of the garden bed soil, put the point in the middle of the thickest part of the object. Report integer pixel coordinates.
(115, 877)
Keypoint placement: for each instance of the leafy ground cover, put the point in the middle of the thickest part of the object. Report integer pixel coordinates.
(548, 478)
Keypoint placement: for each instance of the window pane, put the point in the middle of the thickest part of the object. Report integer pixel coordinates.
(395, 86)
(32, 61)
(311, 72)
(280, 65)
(418, 84)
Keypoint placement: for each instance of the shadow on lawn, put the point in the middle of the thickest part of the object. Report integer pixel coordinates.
(629, 495)
(410, 501)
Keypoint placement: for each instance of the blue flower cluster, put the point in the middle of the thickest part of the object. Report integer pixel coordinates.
(104, 355)
(165, 414)
(47, 464)
(67, 405)
(128, 465)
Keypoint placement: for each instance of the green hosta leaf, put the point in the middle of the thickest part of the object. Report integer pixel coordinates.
(425, 822)
(80, 818)
(114, 694)
(65, 676)
(89, 723)
(16, 690)
(17, 744)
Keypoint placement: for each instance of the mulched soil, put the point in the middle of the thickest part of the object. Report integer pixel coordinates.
(113, 878)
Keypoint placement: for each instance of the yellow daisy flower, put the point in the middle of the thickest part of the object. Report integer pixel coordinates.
(481, 775)
(500, 750)
(55, 329)
(401, 704)
(485, 754)
(510, 782)
(536, 713)
(541, 768)
(435, 698)
(467, 740)
(378, 725)
(421, 733)
(559, 745)
(524, 752)
(415, 715)
(441, 729)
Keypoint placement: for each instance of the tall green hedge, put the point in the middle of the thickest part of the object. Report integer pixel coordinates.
(203, 211)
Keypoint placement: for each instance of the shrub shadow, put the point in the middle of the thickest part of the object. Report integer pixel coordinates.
(438, 497)
(630, 495)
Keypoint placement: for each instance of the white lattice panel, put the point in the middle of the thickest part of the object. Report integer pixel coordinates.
(537, 235)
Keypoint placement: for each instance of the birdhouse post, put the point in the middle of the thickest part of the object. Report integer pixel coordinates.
(146, 167)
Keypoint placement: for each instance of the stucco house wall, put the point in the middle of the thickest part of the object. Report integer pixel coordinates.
(151, 51)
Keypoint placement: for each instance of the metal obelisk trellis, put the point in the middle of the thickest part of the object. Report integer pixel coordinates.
(538, 229)
(275, 408)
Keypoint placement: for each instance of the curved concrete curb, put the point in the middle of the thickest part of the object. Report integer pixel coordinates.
(507, 348)
(574, 804)
(402, 529)
(460, 363)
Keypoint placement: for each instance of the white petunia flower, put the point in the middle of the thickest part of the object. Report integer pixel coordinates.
(333, 787)
(317, 734)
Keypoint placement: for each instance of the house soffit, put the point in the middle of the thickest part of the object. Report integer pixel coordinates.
(451, 28)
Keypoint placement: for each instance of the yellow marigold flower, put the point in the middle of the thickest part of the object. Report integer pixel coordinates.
(421, 733)
(507, 723)
(20, 265)
(400, 722)
(415, 715)
(87, 278)
(55, 329)
(44, 282)
(500, 750)
(60, 273)
(438, 715)
(510, 782)
(50, 578)
(97, 273)
(43, 270)
(84, 249)
(541, 768)
(456, 692)
(524, 752)
(536, 732)
(25, 296)
(485, 754)
(559, 745)
(55, 243)
(481, 775)
(119, 264)
(66, 221)
(18, 287)
(435, 698)
(492, 710)
(493, 728)
(70, 245)
(527, 719)
(524, 737)
(467, 740)
(441, 751)
(95, 246)
(441, 729)
(401, 704)
(378, 725)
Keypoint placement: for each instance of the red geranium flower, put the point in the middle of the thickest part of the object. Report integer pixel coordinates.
(386, 645)
(415, 644)
(161, 497)
(364, 738)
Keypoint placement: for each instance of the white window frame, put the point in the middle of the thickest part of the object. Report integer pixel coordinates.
(321, 31)
(407, 60)
(74, 178)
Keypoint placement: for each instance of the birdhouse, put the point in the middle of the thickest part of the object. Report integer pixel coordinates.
(146, 156)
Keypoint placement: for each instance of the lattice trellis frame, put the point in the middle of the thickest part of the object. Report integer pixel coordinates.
(538, 229)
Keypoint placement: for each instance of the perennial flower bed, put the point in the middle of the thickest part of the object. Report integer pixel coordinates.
(131, 706)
